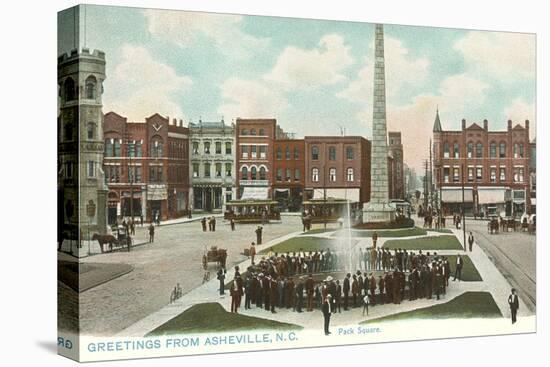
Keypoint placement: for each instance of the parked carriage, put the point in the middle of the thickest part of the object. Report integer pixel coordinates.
(217, 255)
(493, 225)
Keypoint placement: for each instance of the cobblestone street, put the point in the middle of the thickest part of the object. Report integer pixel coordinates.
(175, 257)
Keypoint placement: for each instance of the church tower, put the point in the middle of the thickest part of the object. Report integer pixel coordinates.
(82, 188)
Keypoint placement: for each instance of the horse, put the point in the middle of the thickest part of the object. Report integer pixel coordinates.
(103, 239)
(492, 226)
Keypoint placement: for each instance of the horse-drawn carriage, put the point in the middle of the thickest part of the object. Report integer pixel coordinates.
(493, 225)
(119, 239)
(217, 255)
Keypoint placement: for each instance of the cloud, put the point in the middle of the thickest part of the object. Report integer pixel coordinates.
(502, 55)
(402, 71)
(185, 29)
(298, 68)
(519, 111)
(139, 86)
(246, 98)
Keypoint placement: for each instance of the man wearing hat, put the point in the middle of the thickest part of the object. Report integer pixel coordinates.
(327, 310)
(513, 302)
(346, 288)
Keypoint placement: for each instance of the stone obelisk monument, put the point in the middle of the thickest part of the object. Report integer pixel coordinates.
(378, 209)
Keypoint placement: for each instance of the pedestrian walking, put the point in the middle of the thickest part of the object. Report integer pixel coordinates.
(203, 224)
(458, 269)
(259, 235)
(151, 233)
(232, 223)
(221, 278)
(513, 302)
(470, 241)
(327, 311)
(252, 252)
(366, 305)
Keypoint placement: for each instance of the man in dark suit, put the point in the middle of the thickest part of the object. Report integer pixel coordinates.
(299, 295)
(221, 278)
(346, 288)
(470, 241)
(309, 290)
(513, 302)
(327, 310)
(458, 270)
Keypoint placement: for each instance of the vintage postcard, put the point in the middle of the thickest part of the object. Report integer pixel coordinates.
(238, 183)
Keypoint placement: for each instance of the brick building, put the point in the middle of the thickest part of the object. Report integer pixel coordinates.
(288, 173)
(396, 166)
(146, 167)
(212, 165)
(337, 167)
(494, 166)
(254, 157)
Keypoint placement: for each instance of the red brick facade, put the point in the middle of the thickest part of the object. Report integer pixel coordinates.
(288, 172)
(149, 159)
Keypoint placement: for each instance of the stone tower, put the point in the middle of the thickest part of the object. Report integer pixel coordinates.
(378, 209)
(81, 181)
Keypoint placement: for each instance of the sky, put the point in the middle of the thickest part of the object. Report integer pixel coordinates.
(314, 76)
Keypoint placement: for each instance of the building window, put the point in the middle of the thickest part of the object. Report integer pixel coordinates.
(315, 153)
(287, 153)
(479, 173)
(456, 174)
(521, 150)
(92, 169)
(244, 173)
(332, 153)
(195, 147)
(456, 149)
(262, 132)
(470, 174)
(206, 147)
(155, 174)
(502, 174)
(138, 151)
(244, 151)
(470, 150)
(350, 175)
(108, 148)
(228, 148)
(288, 175)
(279, 154)
(502, 150)
(91, 130)
(315, 175)
(207, 170)
(156, 150)
(263, 173)
(279, 177)
(493, 150)
(446, 173)
(70, 91)
(252, 131)
(296, 174)
(493, 177)
(253, 173)
(296, 153)
(518, 174)
(253, 152)
(244, 132)
(195, 170)
(446, 152)
(332, 175)
(68, 130)
(263, 151)
(349, 153)
(228, 169)
(116, 150)
(134, 174)
(91, 83)
(218, 147)
(479, 150)
(218, 170)
(130, 148)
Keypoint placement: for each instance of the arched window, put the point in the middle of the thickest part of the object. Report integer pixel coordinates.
(156, 148)
(244, 132)
(332, 175)
(516, 150)
(252, 131)
(263, 173)
(244, 173)
(296, 153)
(287, 152)
(456, 149)
(446, 151)
(479, 150)
(350, 175)
(279, 153)
(521, 151)
(314, 153)
(493, 150)
(91, 87)
(253, 172)
(70, 92)
(349, 153)
(315, 175)
(470, 149)
(262, 132)
(502, 150)
(91, 128)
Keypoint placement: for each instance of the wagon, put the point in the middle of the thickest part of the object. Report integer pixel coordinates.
(216, 255)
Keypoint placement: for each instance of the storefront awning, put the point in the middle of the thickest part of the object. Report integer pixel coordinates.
(255, 193)
(344, 194)
(491, 196)
(455, 195)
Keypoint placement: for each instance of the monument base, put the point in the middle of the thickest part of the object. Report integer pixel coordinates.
(378, 212)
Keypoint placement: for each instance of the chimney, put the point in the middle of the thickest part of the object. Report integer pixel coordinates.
(509, 124)
(175, 121)
(485, 125)
(181, 123)
(527, 126)
(463, 124)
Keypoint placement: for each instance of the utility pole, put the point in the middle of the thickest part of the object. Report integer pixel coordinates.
(463, 211)
(431, 177)
(129, 153)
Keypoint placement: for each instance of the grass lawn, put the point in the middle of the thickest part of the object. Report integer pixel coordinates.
(318, 231)
(408, 232)
(426, 243)
(467, 305)
(469, 271)
(212, 317)
(302, 242)
(442, 230)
